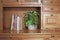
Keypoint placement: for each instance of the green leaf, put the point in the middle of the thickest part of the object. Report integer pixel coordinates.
(31, 18)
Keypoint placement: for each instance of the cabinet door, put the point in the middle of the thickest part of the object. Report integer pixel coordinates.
(31, 1)
(1, 17)
(49, 20)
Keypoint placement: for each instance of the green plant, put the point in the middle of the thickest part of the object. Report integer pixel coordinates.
(31, 18)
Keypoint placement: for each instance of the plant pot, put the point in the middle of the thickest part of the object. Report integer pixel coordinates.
(32, 27)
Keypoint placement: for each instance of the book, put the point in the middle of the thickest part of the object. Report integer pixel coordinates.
(18, 24)
(12, 21)
(15, 23)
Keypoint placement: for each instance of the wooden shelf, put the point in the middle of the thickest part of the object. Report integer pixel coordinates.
(16, 4)
(38, 31)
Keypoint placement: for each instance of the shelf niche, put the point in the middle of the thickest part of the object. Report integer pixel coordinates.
(19, 11)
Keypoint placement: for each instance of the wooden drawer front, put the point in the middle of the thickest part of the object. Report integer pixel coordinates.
(33, 39)
(49, 20)
(51, 8)
(51, 2)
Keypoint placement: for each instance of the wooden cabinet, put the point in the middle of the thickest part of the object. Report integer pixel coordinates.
(50, 15)
(50, 20)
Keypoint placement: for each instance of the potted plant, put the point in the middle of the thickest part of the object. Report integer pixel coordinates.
(31, 19)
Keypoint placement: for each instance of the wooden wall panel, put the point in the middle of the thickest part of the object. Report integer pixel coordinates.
(1, 17)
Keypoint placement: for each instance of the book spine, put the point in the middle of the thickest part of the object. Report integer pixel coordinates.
(12, 21)
(18, 24)
(15, 23)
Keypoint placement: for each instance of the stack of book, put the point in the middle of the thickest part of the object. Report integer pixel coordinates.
(15, 23)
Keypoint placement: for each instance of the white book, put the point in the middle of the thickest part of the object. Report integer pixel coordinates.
(18, 24)
(12, 21)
